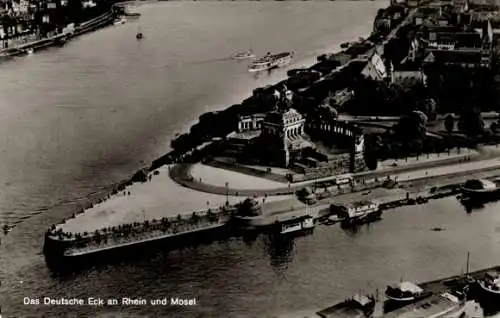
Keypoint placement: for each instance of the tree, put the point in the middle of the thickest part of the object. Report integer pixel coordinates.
(371, 160)
(249, 207)
(471, 122)
(449, 123)
(412, 126)
(428, 107)
(494, 127)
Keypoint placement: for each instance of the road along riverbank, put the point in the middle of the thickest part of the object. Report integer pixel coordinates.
(470, 161)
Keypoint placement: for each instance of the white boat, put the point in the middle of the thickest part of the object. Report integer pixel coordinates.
(491, 283)
(294, 225)
(270, 61)
(30, 51)
(243, 55)
(364, 210)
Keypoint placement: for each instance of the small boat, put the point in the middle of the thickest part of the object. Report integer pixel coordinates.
(30, 51)
(405, 292)
(243, 55)
(357, 306)
(271, 61)
(132, 14)
(301, 223)
(437, 229)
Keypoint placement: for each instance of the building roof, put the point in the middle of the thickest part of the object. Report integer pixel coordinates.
(441, 28)
(454, 56)
(278, 117)
(464, 39)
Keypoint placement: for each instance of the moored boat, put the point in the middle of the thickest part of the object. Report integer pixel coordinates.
(131, 14)
(440, 306)
(405, 292)
(270, 61)
(357, 212)
(297, 224)
(480, 189)
(357, 306)
(490, 283)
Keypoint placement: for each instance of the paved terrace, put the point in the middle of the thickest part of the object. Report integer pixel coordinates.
(160, 197)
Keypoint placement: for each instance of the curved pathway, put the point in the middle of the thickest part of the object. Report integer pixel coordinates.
(181, 174)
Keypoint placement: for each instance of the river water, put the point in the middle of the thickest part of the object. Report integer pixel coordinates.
(74, 120)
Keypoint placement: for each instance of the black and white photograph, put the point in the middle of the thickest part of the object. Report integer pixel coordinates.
(250, 158)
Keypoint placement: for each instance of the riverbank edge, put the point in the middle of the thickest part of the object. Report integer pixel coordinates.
(55, 247)
(93, 24)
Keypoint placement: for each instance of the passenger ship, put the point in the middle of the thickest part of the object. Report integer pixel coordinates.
(270, 61)
(302, 223)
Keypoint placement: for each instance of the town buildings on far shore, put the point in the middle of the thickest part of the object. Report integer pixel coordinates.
(27, 20)
(445, 34)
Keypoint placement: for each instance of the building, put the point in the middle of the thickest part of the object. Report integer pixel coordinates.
(407, 77)
(468, 58)
(250, 123)
(376, 67)
(454, 40)
(283, 136)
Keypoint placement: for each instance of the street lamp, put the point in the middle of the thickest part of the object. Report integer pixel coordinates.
(227, 193)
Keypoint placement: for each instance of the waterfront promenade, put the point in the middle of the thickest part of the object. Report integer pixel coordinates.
(484, 158)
